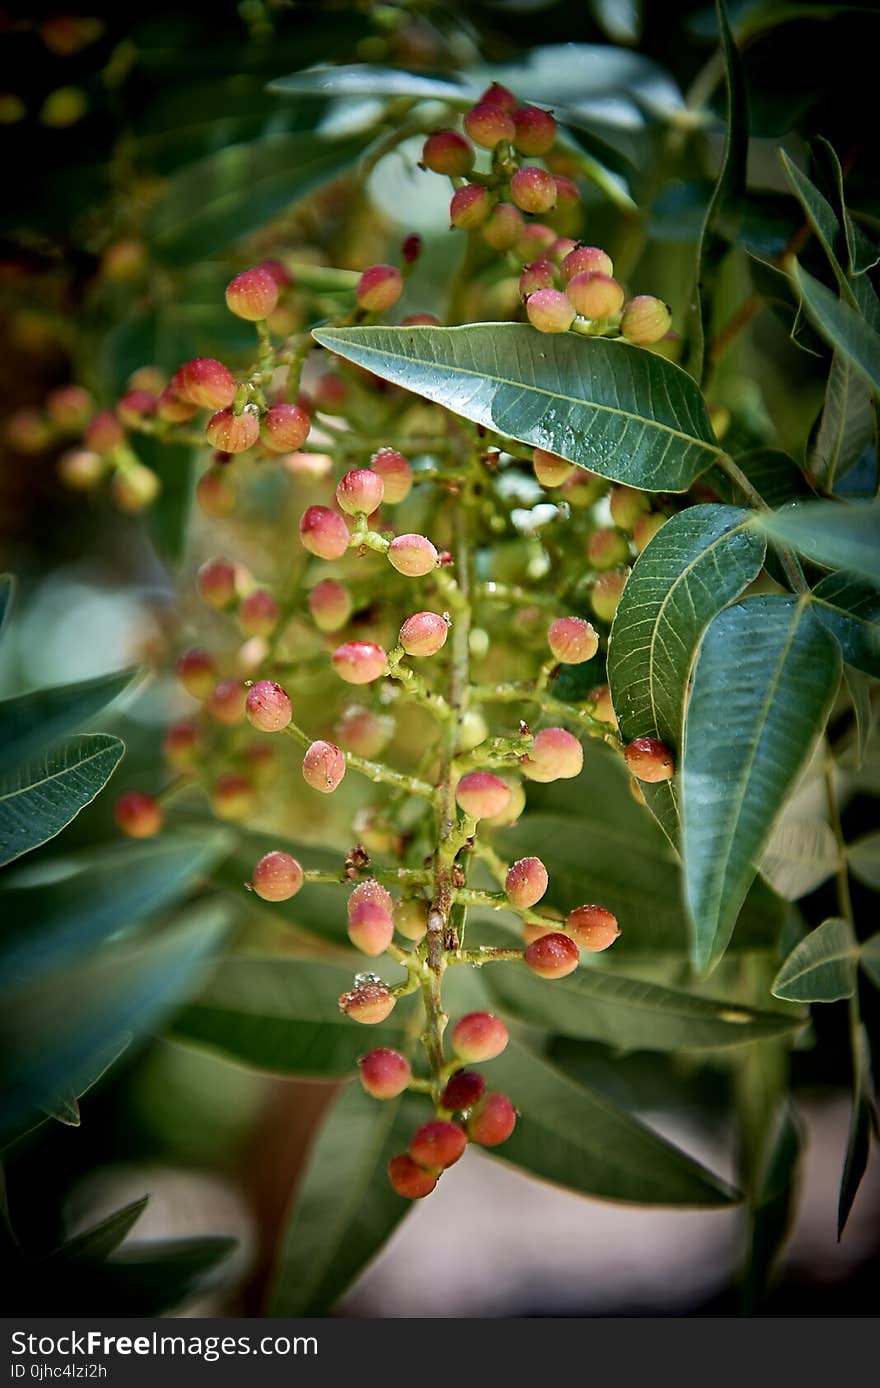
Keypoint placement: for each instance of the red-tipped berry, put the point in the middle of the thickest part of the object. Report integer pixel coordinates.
(503, 227)
(277, 876)
(592, 927)
(138, 815)
(645, 320)
(533, 190)
(359, 662)
(424, 633)
(556, 755)
(550, 470)
(384, 1073)
(607, 549)
(412, 555)
(215, 493)
(268, 707)
(534, 131)
(649, 759)
(172, 408)
(370, 1001)
(253, 294)
(197, 673)
(360, 492)
(370, 927)
(181, 744)
(479, 1036)
(586, 260)
(205, 383)
(552, 956)
(463, 1091)
(492, 1121)
(330, 604)
(572, 640)
(594, 296)
(438, 1144)
(606, 594)
(216, 582)
(227, 702)
(470, 207)
(379, 288)
(627, 505)
(233, 433)
(232, 796)
(497, 95)
(104, 433)
(526, 882)
(645, 529)
(482, 795)
(323, 532)
(323, 767)
(135, 406)
(488, 124)
(411, 1181)
(541, 274)
(69, 407)
(449, 153)
(550, 311)
(364, 732)
(396, 473)
(259, 613)
(285, 428)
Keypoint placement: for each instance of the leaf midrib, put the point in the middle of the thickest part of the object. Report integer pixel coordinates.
(56, 775)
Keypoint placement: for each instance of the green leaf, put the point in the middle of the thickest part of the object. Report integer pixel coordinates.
(859, 688)
(281, 1015)
(630, 1014)
(839, 535)
(213, 203)
(822, 968)
(621, 20)
(30, 722)
(345, 1208)
(7, 594)
(846, 425)
(869, 958)
(577, 1138)
(800, 855)
(771, 472)
(773, 1205)
(858, 1145)
(618, 410)
(765, 678)
(39, 799)
(862, 253)
(58, 1028)
(92, 895)
(841, 326)
(365, 79)
(701, 560)
(850, 609)
(863, 856)
(822, 218)
(99, 1241)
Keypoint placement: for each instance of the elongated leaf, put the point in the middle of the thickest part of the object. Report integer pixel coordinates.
(577, 1138)
(862, 254)
(281, 1015)
(29, 722)
(625, 1012)
(621, 20)
(99, 1241)
(7, 594)
(97, 893)
(212, 204)
(701, 560)
(822, 968)
(766, 675)
(800, 855)
(39, 799)
(859, 689)
(617, 410)
(842, 327)
(858, 1145)
(863, 856)
(840, 535)
(364, 79)
(345, 1209)
(850, 609)
(773, 1205)
(846, 425)
(56, 1028)
(822, 219)
(869, 958)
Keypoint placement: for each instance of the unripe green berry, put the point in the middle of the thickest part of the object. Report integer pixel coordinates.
(370, 1001)
(627, 505)
(463, 1091)
(277, 876)
(589, 260)
(370, 928)
(526, 882)
(359, 662)
(492, 1121)
(379, 288)
(268, 707)
(550, 311)
(488, 124)
(479, 1036)
(138, 815)
(606, 594)
(409, 1180)
(134, 488)
(514, 807)
(606, 549)
(412, 555)
(472, 730)
(645, 320)
(534, 131)
(69, 408)
(572, 640)
(232, 797)
(533, 190)
(253, 294)
(411, 917)
(396, 473)
(470, 207)
(330, 604)
(550, 470)
(364, 732)
(181, 744)
(552, 956)
(556, 755)
(323, 532)
(424, 633)
(592, 927)
(541, 274)
(599, 699)
(206, 383)
(504, 227)
(360, 492)
(227, 702)
(323, 767)
(80, 469)
(197, 672)
(384, 1073)
(594, 295)
(649, 759)
(215, 493)
(285, 428)
(447, 152)
(645, 529)
(233, 433)
(481, 795)
(438, 1144)
(259, 613)
(216, 582)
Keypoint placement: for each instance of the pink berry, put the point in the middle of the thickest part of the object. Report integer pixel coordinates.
(384, 1073)
(205, 383)
(534, 131)
(526, 882)
(285, 428)
(268, 707)
(627, 505)
(562, 246)
(541, 274)
(592, 927)
(180, 745)
(359, 662)
(277, 876)
(588, 260)
(379, 288)
(606, 594)
(470, 207)
(330, 392)
(447, 152)
(360, 492)
(424, 633)
(370, 927)
(233, 433)
(227, 702)
(535, 241)
(479, 1036)
(482, 795)
(330, 604)
(556, 755)
(413, 555)
(410, 917)
(550, 470)
(323, 532)
(232, 796)
(370, 890)
(323, 767)
(645, 320)
(594, 295)
(438, 1144)
(369, 1001)
(364, 732)
(572, 640)
(503, 227)
(216, 582)
(492, 1121)
(488, 124)
(197, 673)
(567, 195)
(533, 190)
(409, 1180)
(396, 473)
(138, 815)
(497, 95)
(552, 956)
(215, 494)
(649, 759)
(253, 294)
(80, 469)
(550, 311)
(104, 433)
(172, 408)
(606, 549)
(261, 762)
(463, 1091)
(135, 406)
(69, 407)
(259, 613)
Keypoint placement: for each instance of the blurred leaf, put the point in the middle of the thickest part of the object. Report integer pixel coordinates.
(345, 1208)
(699, 561)
(869, 958)
(617, 410)
(168, 518)
(751, 724)
(842, 327)
(822, 219)
(862, 254)
(773, 1205)
(576, 1138)
(621, 20)
(863, 856)
(212, 204)
(858, 1145)
(839, 535)
(37, 800)
(99, 892)
(630, 1014)
(846, 426)
(363, 79)
(99, 1241)
(850, 609)
(800, 855)
(822, 968)
(7, 594)
(30, 722)
(281, 1015)
(859, 689)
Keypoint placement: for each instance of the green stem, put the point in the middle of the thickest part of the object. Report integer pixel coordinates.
(374, 770)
